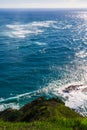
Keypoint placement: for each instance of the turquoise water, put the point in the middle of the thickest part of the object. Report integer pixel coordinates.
(41, 51)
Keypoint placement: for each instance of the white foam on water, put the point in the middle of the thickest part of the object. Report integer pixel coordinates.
(10, 105)
(43, 24)
(23, 33)
(76, 99)
(18, 30)
(14, 102)
(62, 26)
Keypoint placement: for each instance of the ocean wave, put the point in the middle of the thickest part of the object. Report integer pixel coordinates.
(74, 95)
(18, 30)
(43, 24)
(18, 101)
(75, 99)
(10, 105)
(62, 26)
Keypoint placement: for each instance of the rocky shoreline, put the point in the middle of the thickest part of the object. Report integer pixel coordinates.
(75, 88)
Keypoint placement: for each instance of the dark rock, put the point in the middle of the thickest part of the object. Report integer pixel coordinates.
(71, 88)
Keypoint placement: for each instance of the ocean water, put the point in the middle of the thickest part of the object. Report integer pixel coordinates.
(41, 53)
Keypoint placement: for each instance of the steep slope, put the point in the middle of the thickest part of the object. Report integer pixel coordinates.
(40, 109)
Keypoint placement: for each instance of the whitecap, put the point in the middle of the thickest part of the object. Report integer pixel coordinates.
(62, 26)
(10, 105)
(16, 101)
(1, 99)
(18, 30)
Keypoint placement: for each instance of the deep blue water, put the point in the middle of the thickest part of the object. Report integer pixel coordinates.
(40, 51)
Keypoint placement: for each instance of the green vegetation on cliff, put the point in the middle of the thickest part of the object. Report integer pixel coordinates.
(42, 114)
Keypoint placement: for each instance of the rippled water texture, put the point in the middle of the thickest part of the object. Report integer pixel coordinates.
(42, 52)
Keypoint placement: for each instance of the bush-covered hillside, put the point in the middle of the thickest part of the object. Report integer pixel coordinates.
(42, 114)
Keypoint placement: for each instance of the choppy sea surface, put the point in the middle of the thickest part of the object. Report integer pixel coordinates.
(42, 52)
